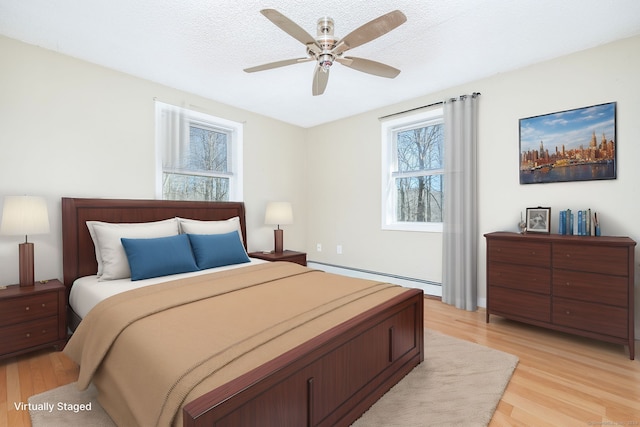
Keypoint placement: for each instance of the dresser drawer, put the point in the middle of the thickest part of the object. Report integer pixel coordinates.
(591, 258)
(28, 334)
(18, 310)
(521, 277)
(592, 287)
(592, 317)
(519, 252)
(518, 304)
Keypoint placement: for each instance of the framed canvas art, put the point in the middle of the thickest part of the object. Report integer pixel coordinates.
(572, 145)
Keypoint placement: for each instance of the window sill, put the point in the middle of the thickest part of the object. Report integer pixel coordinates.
(406, 226)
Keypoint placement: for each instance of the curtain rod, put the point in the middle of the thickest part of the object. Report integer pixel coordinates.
(474, 94)
(412, 109)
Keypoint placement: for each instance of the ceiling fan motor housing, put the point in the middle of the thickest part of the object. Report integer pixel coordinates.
(327, 42)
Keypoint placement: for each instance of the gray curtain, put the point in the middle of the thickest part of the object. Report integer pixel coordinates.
(173, 131)
(460, 217)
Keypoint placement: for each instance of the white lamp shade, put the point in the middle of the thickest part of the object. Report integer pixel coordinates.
(23, 215)
(278, 213)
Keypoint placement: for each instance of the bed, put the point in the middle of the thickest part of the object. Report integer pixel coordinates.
(354, 347)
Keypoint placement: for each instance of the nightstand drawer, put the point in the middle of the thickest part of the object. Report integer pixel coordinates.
(38, 306)
(28, 334)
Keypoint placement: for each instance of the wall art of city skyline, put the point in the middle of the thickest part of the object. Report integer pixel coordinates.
(571, 145)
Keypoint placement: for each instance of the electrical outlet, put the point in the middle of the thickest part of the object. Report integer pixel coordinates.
(339, 249)
(319, 247)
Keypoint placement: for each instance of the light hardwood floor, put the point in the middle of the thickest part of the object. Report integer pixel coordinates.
(561, 380)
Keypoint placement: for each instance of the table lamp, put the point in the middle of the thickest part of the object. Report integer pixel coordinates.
(24, 215)
(278, 213)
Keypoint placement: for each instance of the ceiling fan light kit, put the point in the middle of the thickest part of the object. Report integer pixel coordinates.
(326, 49)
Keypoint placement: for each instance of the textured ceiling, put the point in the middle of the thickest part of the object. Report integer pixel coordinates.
(202, 46)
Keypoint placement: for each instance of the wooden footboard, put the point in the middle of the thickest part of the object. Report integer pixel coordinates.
(330, 380)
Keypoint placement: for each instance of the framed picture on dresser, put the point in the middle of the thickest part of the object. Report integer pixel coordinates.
(538, 220)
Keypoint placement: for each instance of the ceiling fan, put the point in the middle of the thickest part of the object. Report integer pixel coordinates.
(327, 49)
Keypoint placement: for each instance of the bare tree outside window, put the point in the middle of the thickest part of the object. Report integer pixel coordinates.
(201, 155)
(201, 167)
(419, 173)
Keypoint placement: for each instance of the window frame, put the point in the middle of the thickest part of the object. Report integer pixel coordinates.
(390, 174)
(233, 129)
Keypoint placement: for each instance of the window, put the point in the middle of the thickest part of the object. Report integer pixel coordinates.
(412, 175)
(200, 156)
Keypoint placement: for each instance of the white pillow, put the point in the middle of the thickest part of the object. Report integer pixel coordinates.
(194, 226)
(110, 254)
(96, 246)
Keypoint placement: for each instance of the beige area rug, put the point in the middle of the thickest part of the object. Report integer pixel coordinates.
(458, 384)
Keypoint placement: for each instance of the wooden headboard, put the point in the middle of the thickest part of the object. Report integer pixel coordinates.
(79, 257)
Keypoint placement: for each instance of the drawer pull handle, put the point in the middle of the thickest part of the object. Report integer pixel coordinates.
(568, 255)
(568, 312)
(28, 335)
(568, 283)
(44, 305)
(44, 331)
(26, 308)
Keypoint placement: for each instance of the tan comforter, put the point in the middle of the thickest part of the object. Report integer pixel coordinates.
(151, 350)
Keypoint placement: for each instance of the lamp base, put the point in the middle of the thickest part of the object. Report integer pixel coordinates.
(278, 238)
(25, 251)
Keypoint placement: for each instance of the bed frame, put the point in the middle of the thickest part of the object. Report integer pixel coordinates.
(329, 380)
(78, 252)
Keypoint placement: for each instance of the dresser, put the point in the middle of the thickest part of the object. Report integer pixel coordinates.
(576, 284)
(32, 317)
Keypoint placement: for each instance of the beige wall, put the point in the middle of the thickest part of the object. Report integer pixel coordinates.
(70, 128)
(344, 164)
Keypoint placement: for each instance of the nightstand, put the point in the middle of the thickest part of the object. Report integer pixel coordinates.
(291, 256)
(32, 317)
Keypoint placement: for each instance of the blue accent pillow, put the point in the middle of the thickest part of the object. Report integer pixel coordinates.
(159, 256)
(216, 250)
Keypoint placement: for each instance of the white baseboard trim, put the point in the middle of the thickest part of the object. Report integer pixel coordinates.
(429, 288)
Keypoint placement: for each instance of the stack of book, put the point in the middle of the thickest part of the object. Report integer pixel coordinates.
(580, 223)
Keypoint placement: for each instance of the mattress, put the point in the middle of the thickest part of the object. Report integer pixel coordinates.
(88, 291)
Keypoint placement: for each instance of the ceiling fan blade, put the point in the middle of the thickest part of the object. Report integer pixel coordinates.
(320, 79)
(276, 64)
(369, 66)
(370, 31)
(290, 27)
